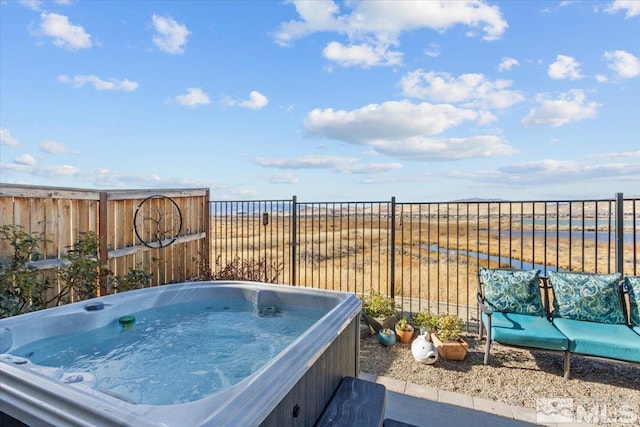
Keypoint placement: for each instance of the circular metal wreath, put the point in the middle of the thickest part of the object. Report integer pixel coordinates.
(157, 221)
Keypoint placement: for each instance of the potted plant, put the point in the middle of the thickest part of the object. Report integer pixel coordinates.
(404, 330)
(426, 322)
(447, 337)
(378, 311)
(386, 337)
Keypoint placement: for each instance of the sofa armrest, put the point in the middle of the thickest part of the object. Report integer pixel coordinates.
(483, 306)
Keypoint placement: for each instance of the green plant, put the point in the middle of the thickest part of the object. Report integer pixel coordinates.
(83, 274)
(449, 327)
(386, 331)
(403, 324)
(426, 320)
(377, 305)
(136, 278)
(21, 290)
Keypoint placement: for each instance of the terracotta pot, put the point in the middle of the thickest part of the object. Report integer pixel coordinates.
(405, 336)
(450, 350)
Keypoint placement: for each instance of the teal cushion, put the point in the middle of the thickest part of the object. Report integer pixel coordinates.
(632, 283)
(525, 331)
(583, 296)
(636, 329)
(512, 291)
(601, 339)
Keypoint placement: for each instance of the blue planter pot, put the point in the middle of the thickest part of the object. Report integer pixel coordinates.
(387, 339)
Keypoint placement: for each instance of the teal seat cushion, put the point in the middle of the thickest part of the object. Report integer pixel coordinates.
(632, 283)
(636, 329)
(512, 291)
(583, 296)
(601, 339)
(525, 331)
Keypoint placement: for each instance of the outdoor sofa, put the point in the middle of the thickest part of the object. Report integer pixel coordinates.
(590, 315)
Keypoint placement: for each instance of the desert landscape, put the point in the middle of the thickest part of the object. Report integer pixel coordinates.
(429, 254)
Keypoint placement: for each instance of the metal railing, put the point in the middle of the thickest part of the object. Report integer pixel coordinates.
(425, 254)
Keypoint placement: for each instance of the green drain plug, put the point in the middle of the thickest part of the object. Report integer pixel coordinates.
(127, 322)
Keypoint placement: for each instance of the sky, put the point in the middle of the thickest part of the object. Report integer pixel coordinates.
(424, 101)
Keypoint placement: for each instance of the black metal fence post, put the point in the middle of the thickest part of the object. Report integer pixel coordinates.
(619, 233)
(392, 256)
(294, 237)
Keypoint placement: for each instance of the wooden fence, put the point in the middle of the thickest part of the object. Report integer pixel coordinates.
(136, 228)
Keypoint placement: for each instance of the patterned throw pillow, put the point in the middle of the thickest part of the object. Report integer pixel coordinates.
(583, 296)
(513, 291)
(633, 286)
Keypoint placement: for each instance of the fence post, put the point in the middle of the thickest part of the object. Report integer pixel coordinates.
(392, 257)
(103, 233)
(207, 229)
(294, 237)
(619, 233)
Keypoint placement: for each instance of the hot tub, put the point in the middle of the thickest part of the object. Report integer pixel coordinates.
(291, 388)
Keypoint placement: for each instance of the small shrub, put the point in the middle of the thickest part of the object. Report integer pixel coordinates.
(426, 320)
(82, 275)
(248, 270)
(449, 327)
(21, 290)
(377, 305)
(136, 278)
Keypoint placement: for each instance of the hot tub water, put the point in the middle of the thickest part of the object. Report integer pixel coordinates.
(177, 353)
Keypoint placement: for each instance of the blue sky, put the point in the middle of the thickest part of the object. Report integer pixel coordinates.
(329, 101)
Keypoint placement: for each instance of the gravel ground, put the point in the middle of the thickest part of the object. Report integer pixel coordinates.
(513, 376)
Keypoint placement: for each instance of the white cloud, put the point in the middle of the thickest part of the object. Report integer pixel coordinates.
(64, 33)
(623, 155)
(281, 178)
(433, 50)
(402, 130)
(53, 147)
(469, 89)
(307, 162)
(567, 171)
(390, 120)
(169, 36)
(507, 64)
(25, 159)
(194, 97)
(630, 7)
(623, 63)
(569, 107)
(7, 140)
(35, 4)
(371, 168)
(316, 16)
(98, 83)
(385, 19)
(336, 163)
(256, 101)
(541, 172)
(430, 149)
(362, 55)
(371, 28)
(565, 67)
